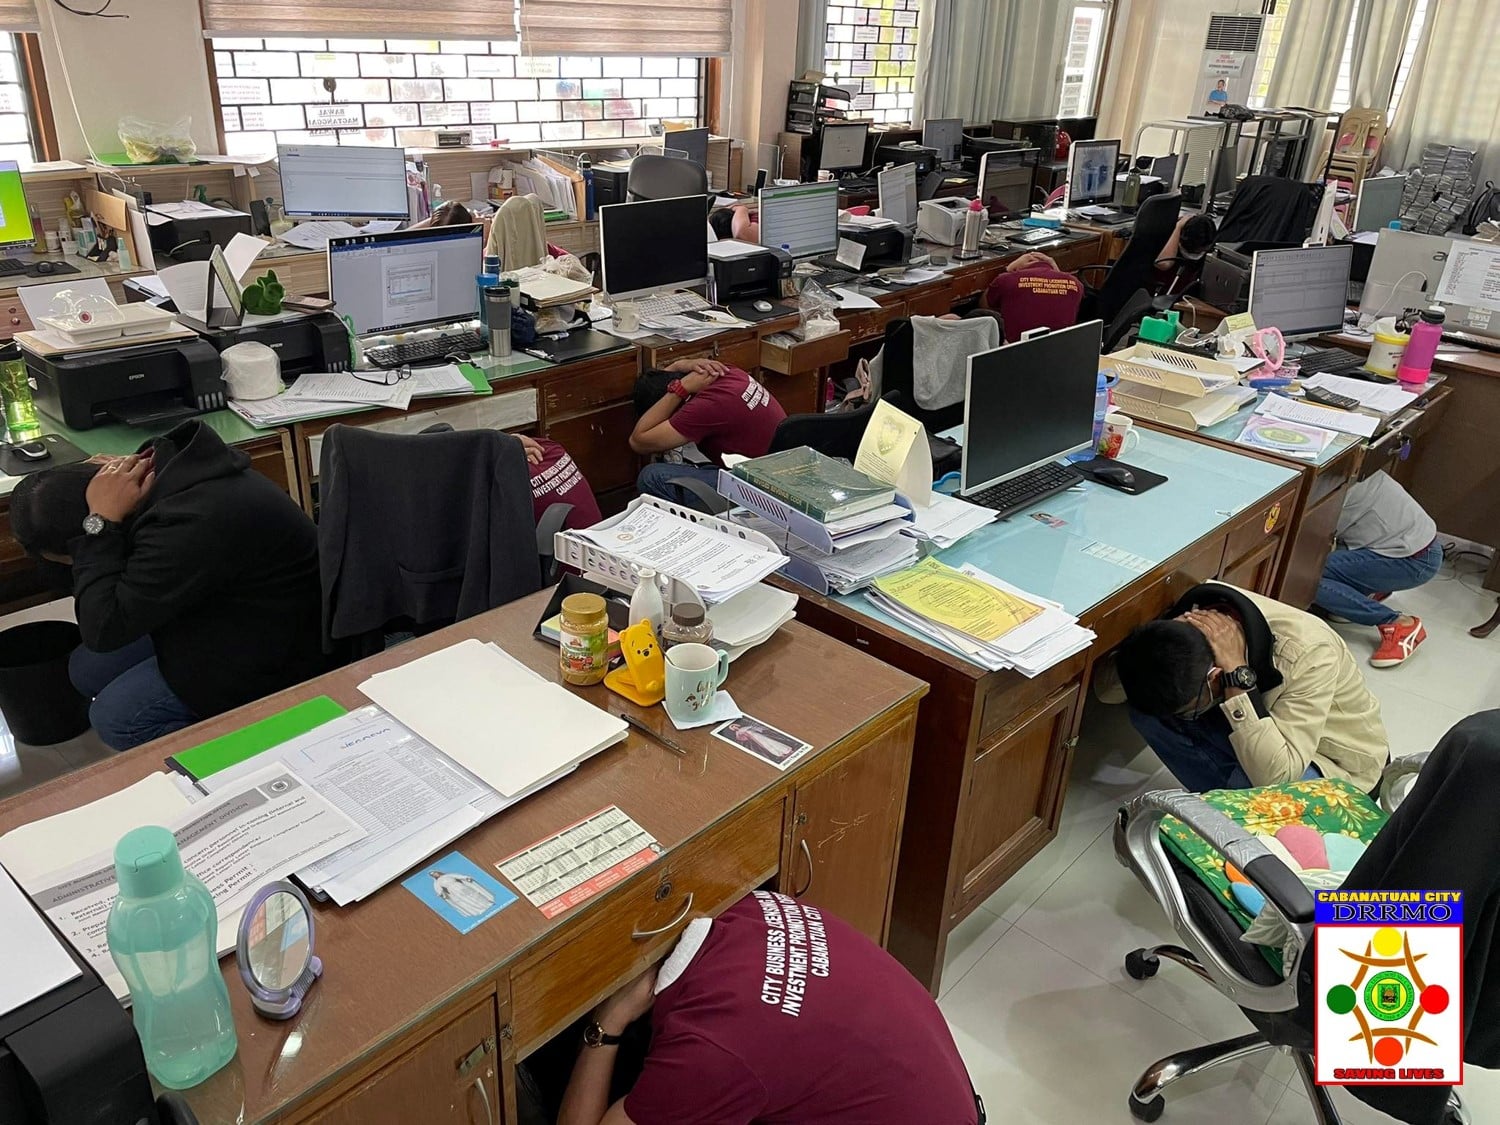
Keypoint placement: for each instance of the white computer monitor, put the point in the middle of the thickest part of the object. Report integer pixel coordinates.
(945, 134)
(898, 194)
(1005, 180)
(353, 182)
(804, 218)
(1303, 291)
(1378, 203)
(1091, 172)
(407, 278)
(843, 147)
(653, 245)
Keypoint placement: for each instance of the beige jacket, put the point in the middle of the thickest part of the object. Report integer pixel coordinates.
(1323, 714)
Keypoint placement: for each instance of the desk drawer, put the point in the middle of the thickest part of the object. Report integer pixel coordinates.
(737, 349)
(1114, 624)
(935, 303)
(699, 879)
(14, 317)
(574, 394)
(868, 324)
(1405, 434)
(809, 355)
(1254, 526)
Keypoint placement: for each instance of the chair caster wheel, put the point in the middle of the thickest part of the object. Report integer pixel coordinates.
(1147, 1111)
(1141, 965)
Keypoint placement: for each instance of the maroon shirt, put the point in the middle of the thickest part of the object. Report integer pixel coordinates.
(557, 479)
(788, 1015)
(733, 414)
(1039, 297)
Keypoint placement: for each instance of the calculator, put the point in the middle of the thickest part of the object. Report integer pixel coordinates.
(1324, 397)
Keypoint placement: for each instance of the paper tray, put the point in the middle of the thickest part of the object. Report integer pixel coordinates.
(810, 531)
(1183, 412)
(1182, 380)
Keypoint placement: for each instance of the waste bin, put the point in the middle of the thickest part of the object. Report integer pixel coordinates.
(39, 702)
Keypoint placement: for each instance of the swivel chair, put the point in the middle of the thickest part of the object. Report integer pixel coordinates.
(665, 177)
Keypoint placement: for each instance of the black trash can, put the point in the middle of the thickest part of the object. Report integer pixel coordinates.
(37, 698)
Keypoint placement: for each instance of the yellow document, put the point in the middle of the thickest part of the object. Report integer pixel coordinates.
(950, 597)
(894, 451)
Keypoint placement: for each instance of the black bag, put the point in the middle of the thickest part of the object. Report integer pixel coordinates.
(1485, 208)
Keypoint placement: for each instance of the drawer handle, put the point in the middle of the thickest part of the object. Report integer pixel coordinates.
(641, 935)
(489, 1110)
(807, 855)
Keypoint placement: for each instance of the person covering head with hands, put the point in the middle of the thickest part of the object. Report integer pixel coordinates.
(1233, 690)
(718, 407)
(775, 1012)
(194, 579)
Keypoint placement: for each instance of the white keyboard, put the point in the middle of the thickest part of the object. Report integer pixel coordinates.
(670, 304)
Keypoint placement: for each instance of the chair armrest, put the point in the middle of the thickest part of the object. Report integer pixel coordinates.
(549, 525)
(1396, 770)
(715, 503)
(1081, 270)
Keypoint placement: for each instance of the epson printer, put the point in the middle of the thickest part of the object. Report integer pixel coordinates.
(190, 236)
(925, 159)
(302, 342)
(134, 385)
(742, 272)
(884, 246)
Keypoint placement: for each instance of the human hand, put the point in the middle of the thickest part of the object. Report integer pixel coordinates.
(699, 365)
(628, 1005)
(702, 374)
(1029, 259)
(534, 453)
(119, 487)
(1224, 636)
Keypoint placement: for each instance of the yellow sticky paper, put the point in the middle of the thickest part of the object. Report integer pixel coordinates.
(894, 451)
(950, 597)
(1239, 322)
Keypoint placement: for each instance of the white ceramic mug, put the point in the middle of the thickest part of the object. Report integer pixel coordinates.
(1118, 436)
(627, 316)
(694, 673)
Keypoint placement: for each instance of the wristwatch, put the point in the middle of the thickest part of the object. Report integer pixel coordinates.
(1242, 677)
(595, 1036)
(675, 387)
(95, 524)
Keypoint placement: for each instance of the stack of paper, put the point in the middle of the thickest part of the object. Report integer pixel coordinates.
(865, 546)
(982, 618)
(318, 394)
(1319, 417)
(948, 519)
(1379, 398)
(544, 288)
(716, 565)
(751, 617)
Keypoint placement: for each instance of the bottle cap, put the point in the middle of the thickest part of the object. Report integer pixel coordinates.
(583, 607)
(975, 205)
(1434, 314)
(147, 862)
(688, 613)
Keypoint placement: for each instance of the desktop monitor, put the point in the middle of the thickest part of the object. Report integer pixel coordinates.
(945, 134)
(1303, 290)
(1029, 403)
(1004, 183)
(1164, 168)
(1379, 202)
(898, 194)
(692, 143)
(843, 147)
(804, 218)
(15, 216)
(407, 278)
(1091, 172)
(355, 182)
(653, 245)
(1404, 272)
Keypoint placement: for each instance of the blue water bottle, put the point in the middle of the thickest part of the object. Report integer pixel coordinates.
(486, 280)
(586, 170)
(163, 935)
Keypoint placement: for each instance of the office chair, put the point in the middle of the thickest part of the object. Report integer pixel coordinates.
(665, 177)
(1211, 947)
(1271, 209)
(1135, 268)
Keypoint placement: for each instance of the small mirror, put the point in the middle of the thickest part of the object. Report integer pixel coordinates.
(275, 950)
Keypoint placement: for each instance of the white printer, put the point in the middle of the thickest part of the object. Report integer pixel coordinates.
(942, 220)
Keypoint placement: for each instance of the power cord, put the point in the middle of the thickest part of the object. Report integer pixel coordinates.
(102, 12)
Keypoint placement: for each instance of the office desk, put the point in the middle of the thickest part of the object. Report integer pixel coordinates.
(412, 1022)
(994, 747)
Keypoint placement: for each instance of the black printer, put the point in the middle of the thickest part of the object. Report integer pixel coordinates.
(884, 246)
(302, 342)
(926, 159)
(750, 276)
(192, 237)
(134, 385)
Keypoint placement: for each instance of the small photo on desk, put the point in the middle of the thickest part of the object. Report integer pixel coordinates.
(459, 892)
(766, 742)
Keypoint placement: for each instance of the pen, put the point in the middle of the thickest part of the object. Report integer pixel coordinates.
(632, 721)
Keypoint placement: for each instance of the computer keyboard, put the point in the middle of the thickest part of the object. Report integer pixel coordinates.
(856, 184)
(436, 346)
(1011, 496)
(9, 267)
(1326, 361)
(670, 304)
(832, 272)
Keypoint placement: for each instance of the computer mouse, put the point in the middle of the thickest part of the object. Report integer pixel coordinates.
(1117, 475)
(44, 268)
(33, 451)
(762, 306)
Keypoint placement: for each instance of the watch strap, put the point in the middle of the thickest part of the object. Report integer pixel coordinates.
(594, 1035)
(675, 387)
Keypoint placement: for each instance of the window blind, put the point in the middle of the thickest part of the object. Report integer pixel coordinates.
(625, 27)
(358, 19)
(18, 15)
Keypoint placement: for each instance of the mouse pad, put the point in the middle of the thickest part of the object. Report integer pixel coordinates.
(1145, 480)
(64, 452)
(746, 310)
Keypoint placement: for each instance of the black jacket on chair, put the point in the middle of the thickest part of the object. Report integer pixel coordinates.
(422, 528)
(1271, 209)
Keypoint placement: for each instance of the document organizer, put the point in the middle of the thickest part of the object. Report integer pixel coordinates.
(609, 569)
(1176, 397)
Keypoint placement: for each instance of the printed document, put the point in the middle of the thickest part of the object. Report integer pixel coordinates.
(1471, 276)
(894, 451)
(716, 565)
(1321, 417)
(35, 961)
(958, 601)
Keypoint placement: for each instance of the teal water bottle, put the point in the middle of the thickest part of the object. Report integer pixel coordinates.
(163, 934)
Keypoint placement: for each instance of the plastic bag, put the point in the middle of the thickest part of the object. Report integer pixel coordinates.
(820, 312)
(154, 142)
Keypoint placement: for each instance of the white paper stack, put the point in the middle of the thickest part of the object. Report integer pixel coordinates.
(866, 546)
(948, 519)
(1031, 648)
(713, 563)
(751, 617)
(1379, 398)
(319, 394)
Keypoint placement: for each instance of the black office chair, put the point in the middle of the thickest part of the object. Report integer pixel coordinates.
(1271, 209)
(665, 177)
(1133, 270)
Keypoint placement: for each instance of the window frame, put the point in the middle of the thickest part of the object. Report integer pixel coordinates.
(1106, 9)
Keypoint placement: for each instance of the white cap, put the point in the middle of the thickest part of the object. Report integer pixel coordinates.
(251, 371)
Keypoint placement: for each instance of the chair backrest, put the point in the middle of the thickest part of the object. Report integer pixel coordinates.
(1270, 209)
(833, 435)
(1133, 269)
(665, 177)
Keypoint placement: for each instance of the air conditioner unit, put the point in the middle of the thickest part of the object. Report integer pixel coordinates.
(1231, 52)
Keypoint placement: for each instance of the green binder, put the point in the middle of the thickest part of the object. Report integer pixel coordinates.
(232, 748)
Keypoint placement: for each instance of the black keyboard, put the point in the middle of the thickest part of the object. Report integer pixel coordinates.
(1326, 361)
(9, 267)
(831, 272)
(855, 185)
(426, 349)
(1011, 496)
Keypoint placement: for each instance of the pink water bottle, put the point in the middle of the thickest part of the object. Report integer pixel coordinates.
(1416, 361)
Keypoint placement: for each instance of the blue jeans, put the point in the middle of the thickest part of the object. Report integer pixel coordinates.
(656, 480)
(1199, 755)
(132, 704)
(1349, 577)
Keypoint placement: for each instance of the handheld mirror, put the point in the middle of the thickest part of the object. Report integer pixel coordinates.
(275, 950)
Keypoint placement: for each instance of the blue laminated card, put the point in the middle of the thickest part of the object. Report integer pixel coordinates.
(458, 891)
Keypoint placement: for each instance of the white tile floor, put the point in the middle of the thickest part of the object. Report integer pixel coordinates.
(1054, 1031)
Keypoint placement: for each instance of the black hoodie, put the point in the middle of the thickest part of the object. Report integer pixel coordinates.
(218, 566)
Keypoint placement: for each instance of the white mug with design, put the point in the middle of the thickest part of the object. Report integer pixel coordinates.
(694, 674)
(1117, 436)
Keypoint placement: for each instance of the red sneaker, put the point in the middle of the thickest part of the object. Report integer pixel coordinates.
(1397, 642)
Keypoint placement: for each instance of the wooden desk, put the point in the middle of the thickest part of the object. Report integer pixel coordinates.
(405, 1001)
(994, 748)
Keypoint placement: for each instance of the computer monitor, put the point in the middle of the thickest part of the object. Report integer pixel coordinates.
(1164, 168)
(1378, 203)
(843, 147)
(354, 182)
(1004, 184)
(407, 278)
(898, 194)
(15, 215)
(944, 134)
(692, 143)
(802, 217)
(653, 245)
(1029, 403)
(1303, 290)
(1404, 272)
(1091, 172)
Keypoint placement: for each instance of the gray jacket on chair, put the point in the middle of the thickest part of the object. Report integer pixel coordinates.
(430, 527)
